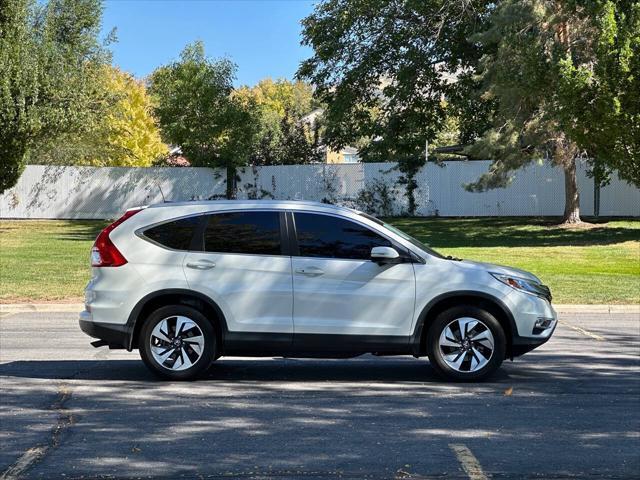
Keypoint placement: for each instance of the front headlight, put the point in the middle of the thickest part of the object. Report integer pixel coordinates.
(524, 285)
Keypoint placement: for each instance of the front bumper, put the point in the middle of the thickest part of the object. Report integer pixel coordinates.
(521, 345)
(535, 321)
(116, 336)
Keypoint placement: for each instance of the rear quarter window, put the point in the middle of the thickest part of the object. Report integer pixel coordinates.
(177, 234)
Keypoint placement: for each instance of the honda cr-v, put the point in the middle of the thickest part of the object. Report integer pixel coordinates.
(187, 283)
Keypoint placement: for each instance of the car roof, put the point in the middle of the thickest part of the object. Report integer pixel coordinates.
(258, 204)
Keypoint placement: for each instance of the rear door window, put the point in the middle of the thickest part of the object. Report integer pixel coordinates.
(256, 233)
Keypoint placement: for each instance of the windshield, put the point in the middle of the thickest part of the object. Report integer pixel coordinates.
(407, 237)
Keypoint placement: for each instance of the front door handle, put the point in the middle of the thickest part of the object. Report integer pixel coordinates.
(201, 265)
(310, 271)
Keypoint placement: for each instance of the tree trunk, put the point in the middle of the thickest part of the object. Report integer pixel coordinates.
(571, 194)
(231, 182)
(566, 150)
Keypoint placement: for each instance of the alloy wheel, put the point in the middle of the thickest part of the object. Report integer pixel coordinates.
(466, 344)
(177, 343)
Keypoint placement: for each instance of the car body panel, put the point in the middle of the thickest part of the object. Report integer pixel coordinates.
(438, 277)
(352, 297)
(112, 293)
(254, 292)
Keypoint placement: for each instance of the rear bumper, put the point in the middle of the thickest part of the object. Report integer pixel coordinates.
(117, 336)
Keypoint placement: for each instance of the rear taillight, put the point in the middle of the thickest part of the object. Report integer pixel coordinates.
(104, 253)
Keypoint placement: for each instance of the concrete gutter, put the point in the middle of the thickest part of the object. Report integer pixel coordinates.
(10, 308)
(633, 308)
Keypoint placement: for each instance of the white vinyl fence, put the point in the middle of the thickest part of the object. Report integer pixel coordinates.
(91, 192)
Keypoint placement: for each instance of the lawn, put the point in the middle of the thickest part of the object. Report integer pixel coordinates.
(48, 260)
(43, 260)
(599, 265)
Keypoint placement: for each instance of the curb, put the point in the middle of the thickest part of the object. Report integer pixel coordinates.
(10, 308)
(634, 308)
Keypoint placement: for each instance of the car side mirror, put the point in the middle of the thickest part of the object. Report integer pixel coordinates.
(382, 255)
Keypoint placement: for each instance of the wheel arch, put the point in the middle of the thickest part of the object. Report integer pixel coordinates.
(443, 302)
(174, 296)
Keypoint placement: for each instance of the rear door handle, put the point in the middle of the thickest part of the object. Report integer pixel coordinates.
(310, 271)
(201, 265)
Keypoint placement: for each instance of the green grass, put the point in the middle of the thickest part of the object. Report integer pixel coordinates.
(42, 260)
(48, 260)
(599, 265)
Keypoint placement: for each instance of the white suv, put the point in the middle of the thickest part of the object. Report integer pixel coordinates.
(187, 283)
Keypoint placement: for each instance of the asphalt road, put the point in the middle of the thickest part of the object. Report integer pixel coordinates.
(569, 409)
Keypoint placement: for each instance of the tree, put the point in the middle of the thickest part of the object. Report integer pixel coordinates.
(381, 67)
(557, 73)
(526, 80)
(197, 111)
(282, 97)
(50, 62)
(130, 125)
(282, 138)
(296, 145)
(606, 119)
(128, 135)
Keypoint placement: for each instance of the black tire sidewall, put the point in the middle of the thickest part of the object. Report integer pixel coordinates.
(210, 344)
(440, 323)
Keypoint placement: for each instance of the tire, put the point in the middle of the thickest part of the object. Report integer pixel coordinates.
(469, 357)
(177, 357)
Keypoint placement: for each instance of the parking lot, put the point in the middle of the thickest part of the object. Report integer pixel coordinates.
(569, 409)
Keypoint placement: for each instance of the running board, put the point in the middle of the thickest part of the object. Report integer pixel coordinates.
(99, 343)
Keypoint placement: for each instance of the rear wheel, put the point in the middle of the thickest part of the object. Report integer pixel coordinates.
(466, 343)
(177, 342)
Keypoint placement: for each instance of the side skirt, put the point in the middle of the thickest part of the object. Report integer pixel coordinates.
(309, 345)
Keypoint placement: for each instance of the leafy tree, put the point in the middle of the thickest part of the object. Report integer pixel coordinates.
(268, 144)
(282, 97)
(50, 63)
(296, 145)
(558, 74)
(282, 138)
(381, 67)
(605, 121)
(525, 79)
(130, 124)
(128, 135)
(196, 110)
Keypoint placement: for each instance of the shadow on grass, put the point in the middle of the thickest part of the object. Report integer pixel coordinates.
(82, 230)
(512, 232)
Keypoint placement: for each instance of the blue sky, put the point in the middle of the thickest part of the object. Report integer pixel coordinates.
(261, 36)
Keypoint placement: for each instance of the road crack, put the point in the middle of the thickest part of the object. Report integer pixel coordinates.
(35, 454)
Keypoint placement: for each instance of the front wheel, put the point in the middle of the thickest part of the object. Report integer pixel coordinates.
(177, 342)
(466, 343)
